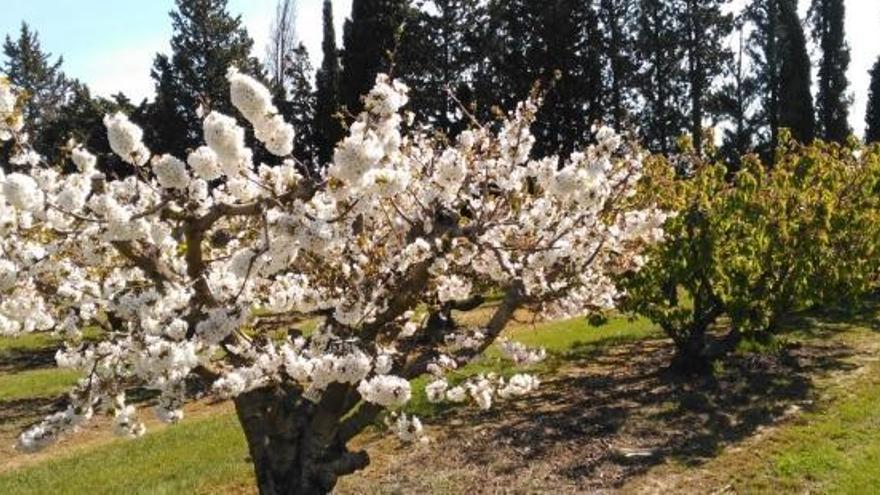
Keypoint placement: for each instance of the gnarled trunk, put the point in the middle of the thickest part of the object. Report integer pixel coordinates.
(297, 447)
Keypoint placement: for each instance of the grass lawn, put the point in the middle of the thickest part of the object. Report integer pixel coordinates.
(186, 458)
(27, 368)
(832, 449)
(44, 382)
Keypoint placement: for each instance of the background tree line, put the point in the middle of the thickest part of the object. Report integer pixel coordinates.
(664, 69)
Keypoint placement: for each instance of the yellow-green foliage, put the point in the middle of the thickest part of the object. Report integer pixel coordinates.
(762, 242)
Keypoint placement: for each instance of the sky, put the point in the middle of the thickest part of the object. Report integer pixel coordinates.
(110, 44)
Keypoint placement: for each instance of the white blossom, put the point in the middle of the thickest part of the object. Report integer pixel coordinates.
(170, 172)
(386, 390)
(126, 139)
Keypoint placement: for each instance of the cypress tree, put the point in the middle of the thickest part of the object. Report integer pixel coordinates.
(207, 40)
(782, 73)
(327, 127)
(833, 103)
(370, 41)
(872, 118)
(795, 109)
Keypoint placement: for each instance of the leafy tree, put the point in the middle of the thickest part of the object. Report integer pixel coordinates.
(208, 292)
(370, 41)
(47, 88)
(872, 118)
(207, 40)
(772, 241)
(327, 127)
(833, 103)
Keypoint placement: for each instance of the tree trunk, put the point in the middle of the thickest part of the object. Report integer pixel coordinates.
(295, 445)
(690, 353)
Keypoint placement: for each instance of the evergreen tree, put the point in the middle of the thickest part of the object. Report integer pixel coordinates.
(795, 110)
(833, 103)
(207, 41)
(619, 20)
(763, 53)
(733, 101)
(327, 127)
(706, 28)
(298, 105)
(46, 86)
(569, 43)
(558, 44)
(872, 118)
(82, 119)
(782, 72)
(370, 41)
(282, 45)
(439, 51)
(662, 81)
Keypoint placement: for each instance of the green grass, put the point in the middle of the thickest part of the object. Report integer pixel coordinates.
(28, 342)
(187, 458)
(837, 449)
(44, 382)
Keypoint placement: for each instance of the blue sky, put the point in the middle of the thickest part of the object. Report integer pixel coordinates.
(110, 44)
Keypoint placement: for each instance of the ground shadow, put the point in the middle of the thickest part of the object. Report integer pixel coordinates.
(616, 412)
(14, 360)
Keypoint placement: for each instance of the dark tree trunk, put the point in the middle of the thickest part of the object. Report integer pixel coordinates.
(297, 447)
(691, 357)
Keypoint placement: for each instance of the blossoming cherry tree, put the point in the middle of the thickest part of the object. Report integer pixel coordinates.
(203, 272)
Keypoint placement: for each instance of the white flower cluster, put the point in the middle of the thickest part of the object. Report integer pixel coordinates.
(51, 428)
(408, 429)
(126, 139)
(519, 353)
(481, 389)
(254, 101)
(386, 391)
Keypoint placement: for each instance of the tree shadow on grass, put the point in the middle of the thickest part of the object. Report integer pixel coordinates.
(14, 360)
(618, 411)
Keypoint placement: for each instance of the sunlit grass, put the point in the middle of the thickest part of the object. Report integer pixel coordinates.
(44, 382)
(187, 458)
